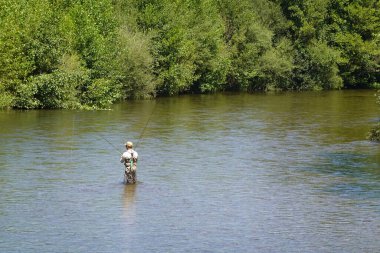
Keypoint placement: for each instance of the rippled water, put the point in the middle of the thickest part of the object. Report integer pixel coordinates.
(218, 173)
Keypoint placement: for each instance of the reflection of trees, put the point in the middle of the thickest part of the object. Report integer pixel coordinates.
(176, 118)
(129, 201)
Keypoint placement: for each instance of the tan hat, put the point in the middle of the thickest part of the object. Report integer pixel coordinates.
(129, 144)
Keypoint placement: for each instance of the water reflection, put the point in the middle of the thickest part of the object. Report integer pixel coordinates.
(129, 202)
(350, 174)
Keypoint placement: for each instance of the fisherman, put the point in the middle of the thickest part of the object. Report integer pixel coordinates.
(129, 158)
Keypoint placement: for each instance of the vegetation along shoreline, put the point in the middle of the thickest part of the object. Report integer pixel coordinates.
(89, 54)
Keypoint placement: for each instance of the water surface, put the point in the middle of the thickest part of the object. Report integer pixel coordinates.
(287, 172)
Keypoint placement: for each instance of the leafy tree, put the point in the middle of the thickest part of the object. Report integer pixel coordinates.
(260, 59)
(15, 64)
(355, 26)
(134, 65)
(246, 39)
(212, 59)
(186, 45)
(316, 62)
(346, 29)
(275, 67)
(134, 61)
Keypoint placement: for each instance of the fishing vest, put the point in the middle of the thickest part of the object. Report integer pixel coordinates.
(130, 163)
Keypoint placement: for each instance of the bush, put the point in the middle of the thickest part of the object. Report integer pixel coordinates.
(6, 99)
(25, 96)
(374, 134)
(134, 68)
(100, 93)
(59, 90)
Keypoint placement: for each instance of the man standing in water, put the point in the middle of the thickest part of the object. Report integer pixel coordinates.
(129, 158)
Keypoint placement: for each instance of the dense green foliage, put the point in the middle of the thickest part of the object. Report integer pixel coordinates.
(89, 54)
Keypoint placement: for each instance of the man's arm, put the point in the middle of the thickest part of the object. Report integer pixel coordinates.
(135, 156)
(122, 158)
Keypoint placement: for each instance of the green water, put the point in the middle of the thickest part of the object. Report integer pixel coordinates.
(285, 172)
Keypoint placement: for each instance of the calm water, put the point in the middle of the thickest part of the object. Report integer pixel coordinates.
(218, 173)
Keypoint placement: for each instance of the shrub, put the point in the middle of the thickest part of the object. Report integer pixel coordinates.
(59, 90)
(100, 93)
(374, 134)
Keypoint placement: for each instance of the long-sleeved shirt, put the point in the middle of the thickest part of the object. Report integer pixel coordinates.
(127, 155)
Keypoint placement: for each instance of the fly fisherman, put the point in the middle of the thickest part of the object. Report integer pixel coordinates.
(129, 158)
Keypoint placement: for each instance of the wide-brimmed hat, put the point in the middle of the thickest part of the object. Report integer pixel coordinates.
(129, 144)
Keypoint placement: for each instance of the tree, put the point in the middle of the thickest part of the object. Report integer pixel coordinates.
(355, 28)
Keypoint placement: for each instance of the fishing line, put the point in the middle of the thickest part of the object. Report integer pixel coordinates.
(146, 125)
(72, 136)
(111, 144)
(139, 138)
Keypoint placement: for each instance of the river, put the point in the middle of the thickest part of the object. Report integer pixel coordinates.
(285, 172)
